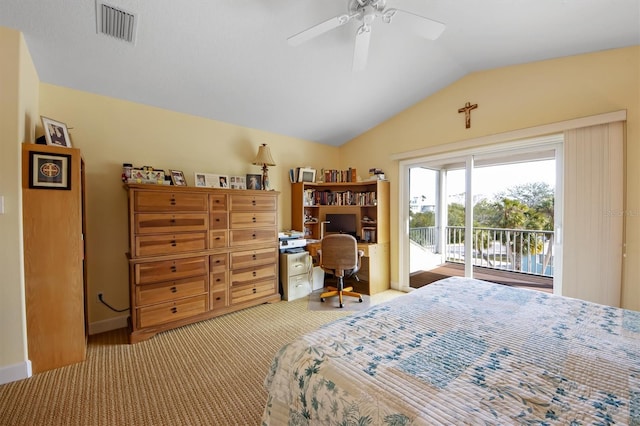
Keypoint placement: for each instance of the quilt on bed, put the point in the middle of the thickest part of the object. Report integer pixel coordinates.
(463, 351)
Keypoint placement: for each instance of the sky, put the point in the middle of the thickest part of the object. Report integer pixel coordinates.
(487, 180)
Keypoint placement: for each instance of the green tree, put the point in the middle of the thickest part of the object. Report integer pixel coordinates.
(515, 216)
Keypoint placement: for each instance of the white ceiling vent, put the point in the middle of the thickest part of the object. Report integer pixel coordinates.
(115, 22)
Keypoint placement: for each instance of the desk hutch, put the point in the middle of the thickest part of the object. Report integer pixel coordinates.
(369, 201)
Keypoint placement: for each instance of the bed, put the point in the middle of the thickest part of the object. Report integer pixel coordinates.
(463, 351)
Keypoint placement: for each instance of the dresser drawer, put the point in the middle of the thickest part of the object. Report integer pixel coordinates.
(241, 220)
(149, 245)
(244, 237)
(218, 300)
(164, 292)
(242, 276)
(170, 270)
(252, 291)
(218, 280)
(218, 220)
(149, 316)
(169, 202)
(252, 202)
(217, 202)
(218, 239)
(154, 223)
(252, 258)
(218, 262)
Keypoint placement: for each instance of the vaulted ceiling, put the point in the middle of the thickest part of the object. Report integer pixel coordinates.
(230, 60)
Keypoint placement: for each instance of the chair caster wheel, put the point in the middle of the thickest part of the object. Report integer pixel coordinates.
(360, 300)
(322, 299)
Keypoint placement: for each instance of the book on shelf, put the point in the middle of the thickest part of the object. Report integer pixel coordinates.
(339, 176)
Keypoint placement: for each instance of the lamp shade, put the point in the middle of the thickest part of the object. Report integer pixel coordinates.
(264, 156)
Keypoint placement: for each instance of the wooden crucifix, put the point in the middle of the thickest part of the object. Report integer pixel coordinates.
(467, 113)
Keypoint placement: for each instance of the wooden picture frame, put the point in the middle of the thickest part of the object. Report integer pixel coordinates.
(177, 178)
(55, 132)
(254, 181)
(49, 171)
(306, 175)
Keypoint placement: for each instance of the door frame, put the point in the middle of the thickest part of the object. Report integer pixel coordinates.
(468, 157)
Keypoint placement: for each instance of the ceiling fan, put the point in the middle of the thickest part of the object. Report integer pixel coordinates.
(366, 11)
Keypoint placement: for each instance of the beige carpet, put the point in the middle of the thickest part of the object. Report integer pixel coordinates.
(209, 373)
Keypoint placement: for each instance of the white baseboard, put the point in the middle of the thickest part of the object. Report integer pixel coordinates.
(12, 373)
(98, 327)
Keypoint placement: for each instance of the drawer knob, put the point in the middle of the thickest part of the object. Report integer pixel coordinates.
(172, 221)
(254, 273)
(173, 268)
(253, 202)
(173, 201)
(174, 310)
(217, 201)
(253, 219)
(217, 220)
(254, 256)
(255, 291)
(173, 243)
(217, 238)
(217, 261)
(253, 236)
(174, 290)
(218, 280)
(218, 298)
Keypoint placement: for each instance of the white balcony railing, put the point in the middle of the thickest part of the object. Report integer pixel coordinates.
(517, 250)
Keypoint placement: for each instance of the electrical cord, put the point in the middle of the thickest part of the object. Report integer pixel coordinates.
(109, 306)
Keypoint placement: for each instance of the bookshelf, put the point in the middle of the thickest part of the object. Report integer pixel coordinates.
(369, 201)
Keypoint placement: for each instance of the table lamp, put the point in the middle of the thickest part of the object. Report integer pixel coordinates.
(264, 159)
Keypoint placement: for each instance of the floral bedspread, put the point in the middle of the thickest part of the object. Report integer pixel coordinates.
(463, 351)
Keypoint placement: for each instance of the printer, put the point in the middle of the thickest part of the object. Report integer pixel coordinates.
(291, 241)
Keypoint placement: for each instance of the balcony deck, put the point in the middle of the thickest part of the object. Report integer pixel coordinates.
(513, 279)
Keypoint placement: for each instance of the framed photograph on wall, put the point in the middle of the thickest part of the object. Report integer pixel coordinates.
(306, 175)
(49, 171)
(254, 181)
(177, 177)
(56, 133)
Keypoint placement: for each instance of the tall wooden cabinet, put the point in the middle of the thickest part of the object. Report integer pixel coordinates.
(54, 256)
(196, 253)
(369, 202)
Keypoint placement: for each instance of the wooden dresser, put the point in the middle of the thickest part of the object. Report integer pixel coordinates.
(196, 253)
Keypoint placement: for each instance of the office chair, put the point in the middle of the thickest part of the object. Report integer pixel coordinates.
(339, 255)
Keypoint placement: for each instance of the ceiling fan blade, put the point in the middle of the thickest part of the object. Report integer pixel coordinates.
(425, 27)
(321, 28)
(361, 50)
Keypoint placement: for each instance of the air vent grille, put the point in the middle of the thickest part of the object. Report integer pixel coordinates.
(115, 22)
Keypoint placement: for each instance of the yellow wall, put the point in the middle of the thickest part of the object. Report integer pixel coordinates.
(18, 106)
(110, 132)
(512, 98)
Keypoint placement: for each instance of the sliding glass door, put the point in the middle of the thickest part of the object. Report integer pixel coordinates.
(489, 215)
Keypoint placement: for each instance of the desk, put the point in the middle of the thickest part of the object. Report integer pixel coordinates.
(374, 271)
